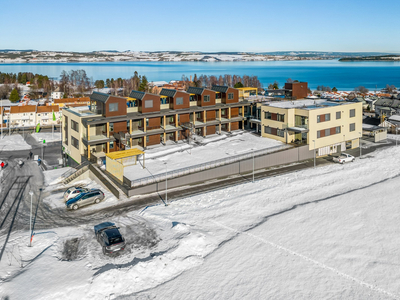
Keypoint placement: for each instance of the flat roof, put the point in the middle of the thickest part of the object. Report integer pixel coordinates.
(308, 104)
(124, 154)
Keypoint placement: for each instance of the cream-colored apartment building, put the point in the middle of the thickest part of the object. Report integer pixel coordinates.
(328, 127)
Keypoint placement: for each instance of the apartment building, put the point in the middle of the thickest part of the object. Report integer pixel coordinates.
(30, 115)
(22, 115)
(45, 115)
(113, 123)
(327, 127)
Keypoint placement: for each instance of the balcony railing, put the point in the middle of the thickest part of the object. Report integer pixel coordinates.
(154, 127)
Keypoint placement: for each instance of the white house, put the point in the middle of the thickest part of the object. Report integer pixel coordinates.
(56, 95)
(44, 115)
(22, 115)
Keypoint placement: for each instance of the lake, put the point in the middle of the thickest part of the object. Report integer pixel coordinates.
(342, 75)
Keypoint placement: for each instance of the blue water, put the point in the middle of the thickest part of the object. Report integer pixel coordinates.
(342, 75)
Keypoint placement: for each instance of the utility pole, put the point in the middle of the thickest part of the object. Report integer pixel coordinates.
(314, 153)
(253, 165)
(30, 222)
(166, 185)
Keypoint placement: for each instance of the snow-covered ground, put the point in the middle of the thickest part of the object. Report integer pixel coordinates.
(52, 177)
(47, 136)
(13, 142)
(183, 155)
(324, 233)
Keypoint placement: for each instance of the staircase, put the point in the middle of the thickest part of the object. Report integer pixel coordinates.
(74, 173)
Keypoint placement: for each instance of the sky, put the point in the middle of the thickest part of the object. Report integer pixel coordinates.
(214, 26)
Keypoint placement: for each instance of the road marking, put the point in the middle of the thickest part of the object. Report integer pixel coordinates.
(319, 264)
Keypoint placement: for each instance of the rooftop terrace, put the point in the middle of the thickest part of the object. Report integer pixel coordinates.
(307, 104)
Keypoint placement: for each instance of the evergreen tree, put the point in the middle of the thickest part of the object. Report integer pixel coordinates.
(238, 85)
(144, 84)
(14, 96)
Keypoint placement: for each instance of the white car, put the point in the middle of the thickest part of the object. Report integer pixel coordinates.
(344, 157)
(73, 192)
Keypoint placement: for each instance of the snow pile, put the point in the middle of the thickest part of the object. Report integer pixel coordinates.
(47, 136)
(13, 143)
(54, 176)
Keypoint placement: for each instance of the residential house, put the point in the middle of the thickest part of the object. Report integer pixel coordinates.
(386, 107)
(68, 101)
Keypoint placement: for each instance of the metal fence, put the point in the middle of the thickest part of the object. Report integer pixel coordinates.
(204, 166)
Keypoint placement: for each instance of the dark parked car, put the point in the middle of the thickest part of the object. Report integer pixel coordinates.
(93, 196)
(109, 237)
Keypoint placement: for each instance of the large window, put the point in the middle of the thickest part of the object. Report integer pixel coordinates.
(74, 142)
(352, 113)
(267, 115)
(327, 132)
(338, 115)
(230, 96)
(274, 131)
(179, 101)
(352, 126)
(148, 103)
(280, 118)
(111, 127)
(206, 98)
(113, 107)
(74, 126)
(323, 118)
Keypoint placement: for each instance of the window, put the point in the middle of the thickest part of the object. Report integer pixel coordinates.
(206, 98)
(327, 132)
(352, 113)
(179, 101)
(111, 145)
(338, 129)
(267, 130)
(74, 142)
(111, 127)
(352, 127)
(338, 115)
(148, 103)
(327, 117)
(74, 126)
(113, 107)
(147, 139)
(230, 96)
(323, 118)
(128, 125)
(267, 115)
(318, 134)
(281, 133)
(280, 118)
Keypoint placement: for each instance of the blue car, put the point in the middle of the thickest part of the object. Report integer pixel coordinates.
(93, 196)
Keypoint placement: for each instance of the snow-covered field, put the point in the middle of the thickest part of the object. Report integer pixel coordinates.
(47, 136)
(213, 148)
(324, 233)
(13, 142)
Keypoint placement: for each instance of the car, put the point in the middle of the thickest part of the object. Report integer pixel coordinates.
(344, 157)
(109, 237)
(83, 199)
(73, 192)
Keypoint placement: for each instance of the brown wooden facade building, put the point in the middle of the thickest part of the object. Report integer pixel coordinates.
(115, 123)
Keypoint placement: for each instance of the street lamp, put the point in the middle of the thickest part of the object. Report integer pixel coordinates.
(314, 153)
(30, 222)
(166, 184)
(396, 135)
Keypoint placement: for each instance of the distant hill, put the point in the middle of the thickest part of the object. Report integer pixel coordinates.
(390, 57)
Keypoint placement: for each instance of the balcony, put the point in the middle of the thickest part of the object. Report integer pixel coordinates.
(97, 139)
